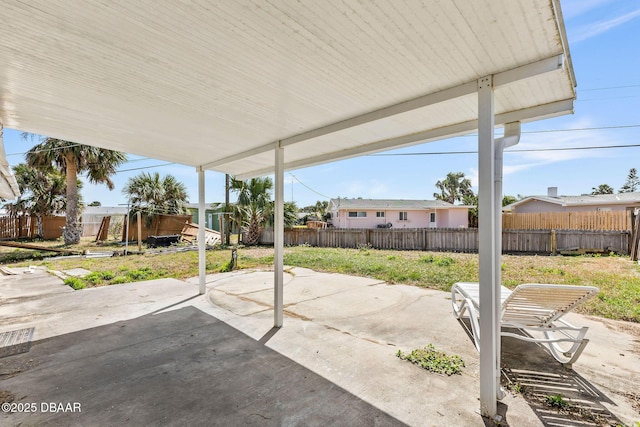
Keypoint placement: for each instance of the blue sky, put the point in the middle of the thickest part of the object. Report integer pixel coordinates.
(604, 40)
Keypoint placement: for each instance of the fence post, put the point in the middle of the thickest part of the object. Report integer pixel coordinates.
(554, 244)
(139, 220)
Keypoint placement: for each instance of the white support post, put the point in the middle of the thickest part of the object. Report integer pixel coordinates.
(202, 259)
(511, 137)
(489, 288)
(278, 241)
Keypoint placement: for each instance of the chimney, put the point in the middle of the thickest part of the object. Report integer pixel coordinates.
(552, 191)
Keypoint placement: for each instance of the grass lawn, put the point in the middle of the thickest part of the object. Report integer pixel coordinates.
(617, 277)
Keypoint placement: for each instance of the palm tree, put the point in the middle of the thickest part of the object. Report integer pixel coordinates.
(290, 214)
(453, 188)
(41, 194)
(254, 205)
(153, 195)
(72, 160)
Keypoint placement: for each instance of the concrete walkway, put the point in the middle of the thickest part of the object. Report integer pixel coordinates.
(157, 353)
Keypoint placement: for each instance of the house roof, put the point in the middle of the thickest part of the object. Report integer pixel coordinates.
(583, 200)
(392, 204)
(220, 85)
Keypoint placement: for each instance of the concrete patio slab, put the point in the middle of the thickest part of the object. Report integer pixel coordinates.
(181, 367)
(340, 333)
(23, 286)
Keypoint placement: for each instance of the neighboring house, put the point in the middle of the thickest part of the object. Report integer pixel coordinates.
(374, 213)
(586, 203)
(212, 214)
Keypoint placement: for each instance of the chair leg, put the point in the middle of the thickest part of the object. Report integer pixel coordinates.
(568, 356)
(458, 308)
(462, 305)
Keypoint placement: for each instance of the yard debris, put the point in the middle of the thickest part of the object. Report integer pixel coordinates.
(190, 234)
(37, 247)
(103, 231)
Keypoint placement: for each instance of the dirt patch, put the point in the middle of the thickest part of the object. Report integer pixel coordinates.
(6, 396)
(621, 326)
(12, 366)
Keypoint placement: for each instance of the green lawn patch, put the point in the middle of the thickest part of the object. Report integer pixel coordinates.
(434, 360)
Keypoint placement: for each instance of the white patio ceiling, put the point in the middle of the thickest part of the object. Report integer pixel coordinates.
(219, 84)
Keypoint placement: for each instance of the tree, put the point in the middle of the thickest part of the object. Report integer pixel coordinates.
(41, 194)
(290, 214)
(602, 189)
(72, 160)
(507, 200)
(95, 203)
(632, 184)
(472, 200)
(253, 206)
(453, 188)
(320, 210)
(153, 195)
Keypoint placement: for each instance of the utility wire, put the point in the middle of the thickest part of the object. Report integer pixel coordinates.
(608, 88)
(584, 129)
(146, 167)
(307, 187)
(524, 150)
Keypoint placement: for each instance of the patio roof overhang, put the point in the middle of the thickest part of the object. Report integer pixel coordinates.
(220, 84)
(226, 85)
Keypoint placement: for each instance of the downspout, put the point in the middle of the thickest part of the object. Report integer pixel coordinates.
(511, 137)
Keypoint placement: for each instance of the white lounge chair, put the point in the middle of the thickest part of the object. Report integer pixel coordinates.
(531, 308)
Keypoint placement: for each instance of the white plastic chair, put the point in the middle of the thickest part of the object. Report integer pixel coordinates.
(531, 308)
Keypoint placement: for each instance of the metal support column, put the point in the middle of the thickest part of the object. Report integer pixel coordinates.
(489, 288)
(202, 259)
(511, 137)
(278, 241)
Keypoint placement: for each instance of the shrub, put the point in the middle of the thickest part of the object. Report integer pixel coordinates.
(75, 282)
(93, 278)
(107, 275)
(119, 279)
(445, 261)
(441, 261)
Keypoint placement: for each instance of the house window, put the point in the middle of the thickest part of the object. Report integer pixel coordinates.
(403, 216)
(379, 214)
(432, 217)
(359, 214)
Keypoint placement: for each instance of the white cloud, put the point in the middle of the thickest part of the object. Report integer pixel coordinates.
(473, 177)
(576, 139)
(596, 28)
(573, 8)
(516, 162)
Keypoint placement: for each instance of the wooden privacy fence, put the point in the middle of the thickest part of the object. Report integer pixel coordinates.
(91, 224)
(456, 239)
(25, 226)
(611, 220)
(160, 225)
